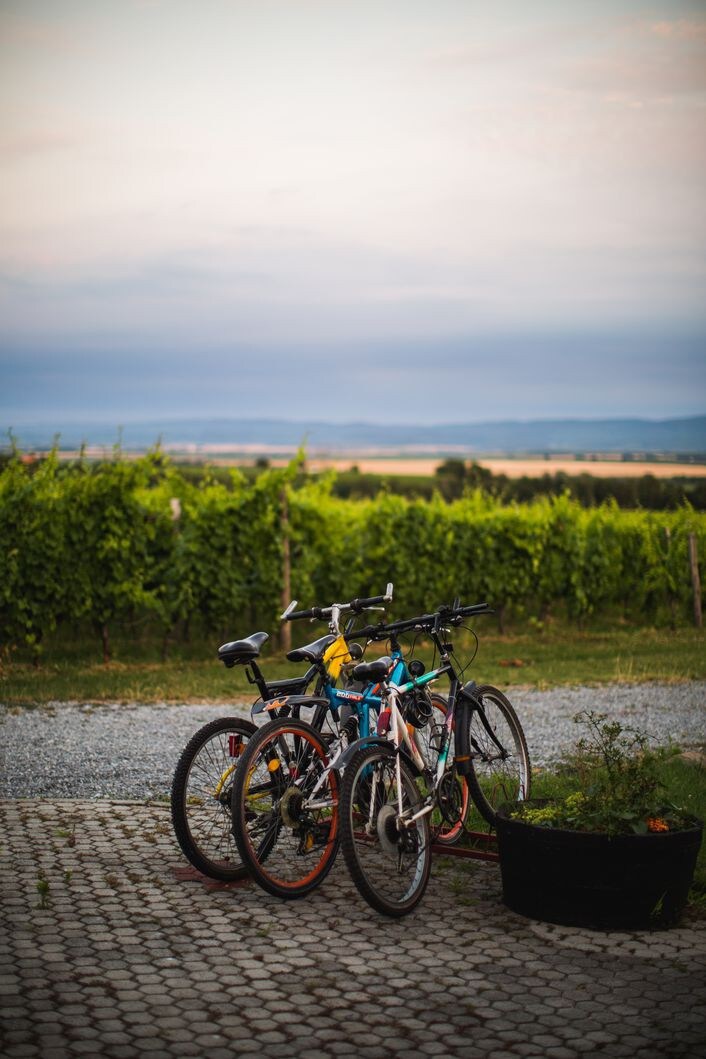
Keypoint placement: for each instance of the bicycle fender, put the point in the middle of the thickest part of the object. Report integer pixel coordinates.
(465, 702)
(375, 740)
(366, 740)
(288, 700)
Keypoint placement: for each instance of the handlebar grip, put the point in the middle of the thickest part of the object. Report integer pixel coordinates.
(313, 612)
(476, 608)
(294, 615)
(372, 601)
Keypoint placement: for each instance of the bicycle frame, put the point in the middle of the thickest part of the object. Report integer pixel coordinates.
(459, 701)
(362, 702)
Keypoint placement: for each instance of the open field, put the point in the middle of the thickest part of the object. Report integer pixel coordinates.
(369, 462)
(519, 468)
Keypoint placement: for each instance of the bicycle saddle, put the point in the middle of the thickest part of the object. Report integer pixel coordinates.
(241, 651)
(376, 670)
(311, 652)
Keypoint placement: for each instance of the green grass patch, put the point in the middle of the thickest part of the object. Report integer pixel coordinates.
(193, 673)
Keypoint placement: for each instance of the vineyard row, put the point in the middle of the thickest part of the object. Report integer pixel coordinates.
(135, 541)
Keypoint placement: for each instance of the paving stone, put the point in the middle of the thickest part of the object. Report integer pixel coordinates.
(166, 968)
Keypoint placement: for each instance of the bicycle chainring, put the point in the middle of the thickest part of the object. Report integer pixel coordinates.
(450, 799)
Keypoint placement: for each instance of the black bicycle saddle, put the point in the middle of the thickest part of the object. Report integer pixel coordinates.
(311, 652)
(238, 652)
(376, 670)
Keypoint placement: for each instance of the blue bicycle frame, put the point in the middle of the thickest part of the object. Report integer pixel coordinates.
(333, 699)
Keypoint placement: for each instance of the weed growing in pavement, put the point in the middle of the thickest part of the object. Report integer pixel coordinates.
(43, 891)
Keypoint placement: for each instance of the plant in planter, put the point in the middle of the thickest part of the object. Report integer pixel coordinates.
(610, 853)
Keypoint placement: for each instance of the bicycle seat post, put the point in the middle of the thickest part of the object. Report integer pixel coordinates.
(254, 675)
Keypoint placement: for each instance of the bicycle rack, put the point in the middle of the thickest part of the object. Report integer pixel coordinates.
(484, 846)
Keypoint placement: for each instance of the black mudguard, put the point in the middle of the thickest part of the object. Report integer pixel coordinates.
(465, 702)
(373, 740)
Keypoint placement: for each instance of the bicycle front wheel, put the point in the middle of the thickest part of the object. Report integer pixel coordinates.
(201, 796)
(285, 808)
(500, 764)
(388, 861)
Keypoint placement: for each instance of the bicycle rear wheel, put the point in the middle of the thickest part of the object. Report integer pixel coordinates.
(389, 863)
(285, 808)
(500, 763)
(201, 797)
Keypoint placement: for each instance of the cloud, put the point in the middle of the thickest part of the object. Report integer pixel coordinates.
(680, 29)
(33, 34)
(646, 61)
(499, 375)
(260, 181)
(18, 144)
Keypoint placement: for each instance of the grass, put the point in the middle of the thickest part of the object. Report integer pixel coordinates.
(542, 659)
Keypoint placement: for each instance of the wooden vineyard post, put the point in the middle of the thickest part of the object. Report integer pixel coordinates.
(695, 579)
(286, 634)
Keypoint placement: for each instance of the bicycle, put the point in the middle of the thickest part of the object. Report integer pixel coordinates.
(389, 789)
(285, 792)
(202, 782)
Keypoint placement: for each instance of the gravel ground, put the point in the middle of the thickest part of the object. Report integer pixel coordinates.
(130, 752)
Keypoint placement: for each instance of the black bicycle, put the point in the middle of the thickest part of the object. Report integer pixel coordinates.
(203, 778)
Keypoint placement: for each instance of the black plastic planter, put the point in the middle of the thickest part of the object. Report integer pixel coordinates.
(593, 880)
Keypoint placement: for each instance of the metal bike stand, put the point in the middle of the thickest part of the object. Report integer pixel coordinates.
(486, 841)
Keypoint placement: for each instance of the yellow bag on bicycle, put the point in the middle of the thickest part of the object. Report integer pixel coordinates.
(336, 656)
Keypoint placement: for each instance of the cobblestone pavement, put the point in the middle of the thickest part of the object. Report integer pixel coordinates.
(106, 951)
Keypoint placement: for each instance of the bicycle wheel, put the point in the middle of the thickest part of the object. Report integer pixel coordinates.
(500, 764)
(389, 864)
(285, 808)
(454, 799)
(201, 796)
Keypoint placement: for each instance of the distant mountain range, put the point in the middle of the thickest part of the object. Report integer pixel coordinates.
(686, 435)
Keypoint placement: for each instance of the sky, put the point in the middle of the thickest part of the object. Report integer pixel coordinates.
(382, 210)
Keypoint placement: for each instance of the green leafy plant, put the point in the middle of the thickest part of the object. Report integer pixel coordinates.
(620, 790)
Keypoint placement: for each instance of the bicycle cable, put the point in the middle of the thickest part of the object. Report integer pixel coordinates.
(469, 663)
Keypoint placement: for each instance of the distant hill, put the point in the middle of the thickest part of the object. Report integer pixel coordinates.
(686, 435)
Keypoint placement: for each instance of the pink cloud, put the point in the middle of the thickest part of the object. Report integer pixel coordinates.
(681, 29)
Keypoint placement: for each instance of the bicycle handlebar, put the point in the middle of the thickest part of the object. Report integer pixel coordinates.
(451, 615)
(355, 605)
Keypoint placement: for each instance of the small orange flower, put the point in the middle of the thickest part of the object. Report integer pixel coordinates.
(656, 823)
